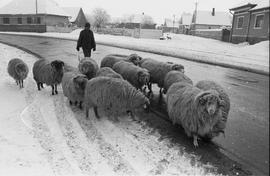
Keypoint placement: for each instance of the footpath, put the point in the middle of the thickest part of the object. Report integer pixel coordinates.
(252, 58)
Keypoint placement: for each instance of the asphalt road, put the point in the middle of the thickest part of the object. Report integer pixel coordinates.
(247, 132)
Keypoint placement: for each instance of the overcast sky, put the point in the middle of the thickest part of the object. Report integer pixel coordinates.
(158, 9)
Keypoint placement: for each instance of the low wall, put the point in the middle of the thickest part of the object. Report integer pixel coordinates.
(58, 29)
(208, 33)
(23, 28)
(137, 33)
(218, 34)
(150, 33)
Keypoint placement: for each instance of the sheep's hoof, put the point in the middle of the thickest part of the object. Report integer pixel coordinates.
(70, 102)
(96, 113)
(52, 93)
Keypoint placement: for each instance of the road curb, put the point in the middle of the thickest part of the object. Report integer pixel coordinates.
(226, 65)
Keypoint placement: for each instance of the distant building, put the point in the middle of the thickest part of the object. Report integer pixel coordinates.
(210, 20)
(77, 16)
(33, 16)
(184, 23)
(171, 25)
(250, 21)
(136, 21)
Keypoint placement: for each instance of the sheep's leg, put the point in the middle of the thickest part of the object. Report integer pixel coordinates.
(38, 85)
(149, 85)
(52, 89)
(75, 103)
(41, 85)
(87, 112)
(96, 112)
(80, 104)
(195, 141)
(70, 102)
(55, 89)
(22, 83)
(160, 96)
(17, 82)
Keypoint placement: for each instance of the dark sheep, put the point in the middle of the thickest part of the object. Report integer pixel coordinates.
(115, 96)
(50, 73)
(137, 76)
(18, 70)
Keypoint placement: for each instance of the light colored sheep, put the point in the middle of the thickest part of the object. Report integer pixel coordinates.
(195, 110)
(88, 67)
(158, 71)
(18, 70)
(73, 85)
(50, 73)
(108, 72)
(115, 96)
(137, 76)
(111, 59)
(173, 77)
(224, 106)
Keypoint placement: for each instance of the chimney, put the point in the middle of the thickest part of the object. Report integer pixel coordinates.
(213, 12)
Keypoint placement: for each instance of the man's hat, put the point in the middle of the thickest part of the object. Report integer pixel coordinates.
(87, 25)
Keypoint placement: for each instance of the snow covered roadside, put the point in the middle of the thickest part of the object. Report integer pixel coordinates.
(41, 135)
(244, 57)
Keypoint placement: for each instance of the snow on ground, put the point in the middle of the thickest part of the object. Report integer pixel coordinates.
(190, 47)
(41, 135)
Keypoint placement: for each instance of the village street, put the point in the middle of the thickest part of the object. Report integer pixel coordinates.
(247, 131)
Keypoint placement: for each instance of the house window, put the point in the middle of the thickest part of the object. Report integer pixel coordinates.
(258, 21)
(19, 20)
(29, 20)
(240, 22)
(38, 21)
(6, 20)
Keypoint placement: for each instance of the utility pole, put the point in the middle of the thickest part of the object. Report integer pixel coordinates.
(173, 21)
(36, 8)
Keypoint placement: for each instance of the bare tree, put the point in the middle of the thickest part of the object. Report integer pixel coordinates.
(100, 17)
(147, 19)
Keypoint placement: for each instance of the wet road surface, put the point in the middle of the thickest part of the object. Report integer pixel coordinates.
(247, 132)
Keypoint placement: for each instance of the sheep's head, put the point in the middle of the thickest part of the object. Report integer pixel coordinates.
(178, 67)
(57, 65)
(21, 70)
(134, 58)
(209, 101)
(80, 82)
(140, 102)
(143, 77)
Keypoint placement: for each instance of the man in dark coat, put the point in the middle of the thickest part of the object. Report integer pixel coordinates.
(86, 41)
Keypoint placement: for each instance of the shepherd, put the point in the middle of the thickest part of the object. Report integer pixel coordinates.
(86, 41)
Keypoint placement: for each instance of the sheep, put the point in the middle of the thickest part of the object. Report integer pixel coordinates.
(108, 72)
(18, 70)
(225, 106)
(88, 67)
(111, 59)
(73, 85)
(158, 71)
(115, 96)
(195, 110)
(173, 77)
(137, 76)
(50, 73)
